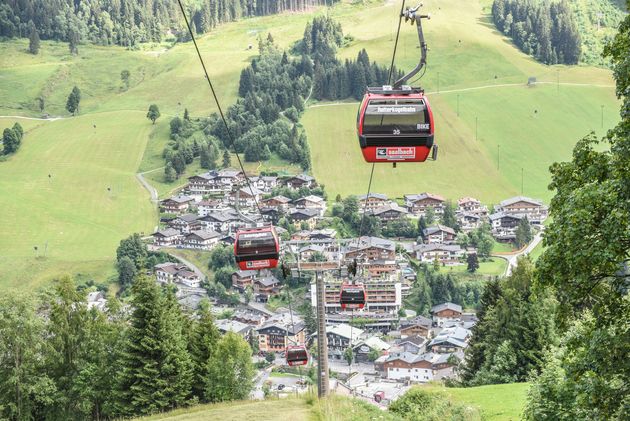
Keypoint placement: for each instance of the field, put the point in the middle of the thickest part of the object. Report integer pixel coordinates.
(503, 402)
(71, 192)
(500, 402)
(76, 222)
(495, 266)
(487, 136)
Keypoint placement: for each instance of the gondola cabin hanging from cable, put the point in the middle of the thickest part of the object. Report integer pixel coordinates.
(352, 296)
(395, 123)
(257, 248)
(296, 355)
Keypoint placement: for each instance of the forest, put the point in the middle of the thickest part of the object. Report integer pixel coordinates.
(127, 23)
(545, 30)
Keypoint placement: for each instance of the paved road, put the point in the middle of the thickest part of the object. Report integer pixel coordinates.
(33, 118)
(512, 259)
(152, 191)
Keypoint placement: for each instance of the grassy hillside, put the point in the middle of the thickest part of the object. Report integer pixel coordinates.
(83, 225)
(71, 215)
(532, 127)
(496, 403)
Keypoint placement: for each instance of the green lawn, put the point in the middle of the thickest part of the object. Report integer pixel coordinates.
(504, 115)
(71, 216)
(500, 247)
(495, 266)
(277, 409)
(501, 402)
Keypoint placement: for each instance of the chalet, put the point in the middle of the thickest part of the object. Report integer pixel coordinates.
(371, 248)
(311, 202)
(469, 221)
(245, 197)
(186, 223)
(230, 177)
(265, 287)
(204, 184)
(417, 204)
(265, 183)
(408, 366)
(280, 331)
(323, 234)
(379, 268)
(279, 202)
(272, 215)
(471, 205)
(372, 201)
(208, 206)
(241, 279)
(201, 240)
(384, 299)
(535, 211)
(97, 300)
(418, 326)
(252, 318)
(168, 273)
(363, 348)
(446, 254)
(176, 204)
(439, 234)
(504, 225)
(445, 312)
(299, 181)
(446, 344)
(297, 216)
(307, 252)
(413, 344)
(389, 212)
(339, 338)
(224, 222)
(241, 329)
(167, 238)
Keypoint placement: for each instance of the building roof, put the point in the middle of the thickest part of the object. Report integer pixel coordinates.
(312, 247)
(309, 213)
(500, 215)
(279, 198)
(178, 199)
(422, 196)
(388, 208)
(516, 199)
(204, 235)
(284, 321)
(467, 200)
(303, 177)
(415, 339)
(168, 232)
(376, 343)
(437, 228)
(226, 325)
(192, 301)
(418, 320)
(229, 173)
(446, 306)
(373, 196)
(205, 176)
(449, 340)
(409, 358)
(366, 242)
(345, 330)
(311, 198)
(423, 248)
(188, 217)
(268, 281)
(245, 273)
(250, 190)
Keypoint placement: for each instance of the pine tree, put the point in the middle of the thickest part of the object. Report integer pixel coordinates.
(523, 233)
(72, 104)
(126, 271)
(169, 173)
(227, 161)
(154, 113)
(422, 225)
(448, 216)
(472, 263)
(429, 215)
(10, 141)
(186, 115)
(33, 40)
(202, 344)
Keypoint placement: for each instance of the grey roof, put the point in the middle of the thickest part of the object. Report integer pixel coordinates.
(306, 212)
(516, 199)
(204, 235)
(437, 228)
(279, 198)
(284, 321)
(225, 325)
(408, 357)
(229, 173)
(179, 199)
(345, 330)
(312, 247)
(268, 281)
(366, 242)
(310, 198)
(373, 196)
(188, 217)
(499, 215)
(388, 208)
(445, 306)
(205, 176)
(418, 320)
(423, 248)
(245, 273)
(168, 232)
(415, 339)
(448, 340)
(422, 196)
(253, 191)
(303, 177)
(192, 301)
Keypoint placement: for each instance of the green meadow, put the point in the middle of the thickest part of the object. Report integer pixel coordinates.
(82, 222)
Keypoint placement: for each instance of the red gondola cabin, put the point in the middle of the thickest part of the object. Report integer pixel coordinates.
(395, 125)
(257, 248)
(352, 296)
(296, 355)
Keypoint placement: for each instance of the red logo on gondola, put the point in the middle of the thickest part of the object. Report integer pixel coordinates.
(395, 154)
(253, 264)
